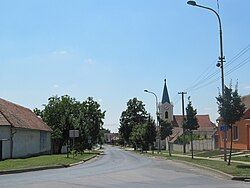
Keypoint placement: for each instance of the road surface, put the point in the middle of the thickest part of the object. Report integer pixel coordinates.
(121, 169)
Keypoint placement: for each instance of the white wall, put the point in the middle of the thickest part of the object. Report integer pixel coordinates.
(26, 142)
(198, 145)
(5, 134)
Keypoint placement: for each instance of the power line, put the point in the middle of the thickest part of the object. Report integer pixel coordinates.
(238, 66)
(238, 55)
(203, 76)
(241, 64)
(199, 82)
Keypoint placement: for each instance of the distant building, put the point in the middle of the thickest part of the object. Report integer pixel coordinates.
(111, 137)
(206, 128)
(241, 130)
(22, 133)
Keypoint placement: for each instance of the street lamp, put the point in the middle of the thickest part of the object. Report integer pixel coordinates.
(221, 59)
(157, 118)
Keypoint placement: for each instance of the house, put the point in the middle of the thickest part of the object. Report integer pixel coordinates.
(206, 128)
(111, 137)
(22, 133)
(241, 130)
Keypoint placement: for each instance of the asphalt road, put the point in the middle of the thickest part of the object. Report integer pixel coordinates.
(118, 168)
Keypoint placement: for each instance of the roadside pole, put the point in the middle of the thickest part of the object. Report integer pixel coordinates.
(183, 116)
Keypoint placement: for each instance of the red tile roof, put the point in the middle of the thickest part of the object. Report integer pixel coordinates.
(3, 120)
(177, 131)
(203, 120)
(247, 114)
(20, 117)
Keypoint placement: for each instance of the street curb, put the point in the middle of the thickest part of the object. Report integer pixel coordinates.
(46, 167)
(225, 175)
(31, 169)
(81, 162)
(228, 176)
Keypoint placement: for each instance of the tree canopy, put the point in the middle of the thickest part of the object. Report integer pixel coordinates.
(135, 114)
(230, 108)
(166, 129)
(191, 122)
(65, 113)
(143, 135)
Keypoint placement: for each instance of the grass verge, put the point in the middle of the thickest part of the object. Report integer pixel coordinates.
(209, 153)
(235, 169)
(242, 158)
(43, 161)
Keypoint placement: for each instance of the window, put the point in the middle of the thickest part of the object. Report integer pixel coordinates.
(235, 133)
(166, 115)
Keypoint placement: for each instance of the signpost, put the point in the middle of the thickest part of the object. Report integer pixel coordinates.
(224, 128)
(73, 134)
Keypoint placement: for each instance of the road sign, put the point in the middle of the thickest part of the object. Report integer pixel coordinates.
(223, 128)
(73, 133)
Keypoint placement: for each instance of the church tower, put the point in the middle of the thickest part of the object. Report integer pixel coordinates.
(165, 107)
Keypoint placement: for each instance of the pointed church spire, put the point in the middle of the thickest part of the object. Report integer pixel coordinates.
(165, 96)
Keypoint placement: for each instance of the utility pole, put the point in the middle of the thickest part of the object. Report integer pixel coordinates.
(157, 120)
(220, 64)
(183, 116)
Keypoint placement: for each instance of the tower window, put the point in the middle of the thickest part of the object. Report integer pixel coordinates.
(166, 115)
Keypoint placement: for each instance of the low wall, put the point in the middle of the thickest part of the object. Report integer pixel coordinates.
(198, 145)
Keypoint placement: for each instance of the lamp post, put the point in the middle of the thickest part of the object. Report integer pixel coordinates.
(157, 118)
(220, 62)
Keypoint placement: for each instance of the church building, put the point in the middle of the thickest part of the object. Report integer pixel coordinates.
(206, 128)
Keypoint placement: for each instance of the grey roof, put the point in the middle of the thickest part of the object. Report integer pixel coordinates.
(165, 96)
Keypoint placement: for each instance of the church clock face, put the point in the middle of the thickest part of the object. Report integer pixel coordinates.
(166, 106)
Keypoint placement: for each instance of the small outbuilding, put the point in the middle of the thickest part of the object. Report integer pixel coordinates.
(22, 133)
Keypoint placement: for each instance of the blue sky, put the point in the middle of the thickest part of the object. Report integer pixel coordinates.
(112, 50)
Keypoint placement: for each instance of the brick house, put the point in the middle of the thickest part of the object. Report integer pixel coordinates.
(22, 133)
(241, 130)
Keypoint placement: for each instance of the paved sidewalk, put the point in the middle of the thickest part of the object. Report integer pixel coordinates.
(211, 159)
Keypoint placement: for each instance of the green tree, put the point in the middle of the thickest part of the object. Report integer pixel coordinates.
(90, 121)
(191, 122)
(65, 113)
(38, 112)
(137, 136)
(60, 115)
(166, 129)
(144, 135)
(151, 133)
(101, 136)
(231, 110)
(135, 114)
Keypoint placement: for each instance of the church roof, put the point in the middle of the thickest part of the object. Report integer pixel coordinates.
(165, 96)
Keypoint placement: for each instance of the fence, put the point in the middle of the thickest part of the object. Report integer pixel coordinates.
(198, 145)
